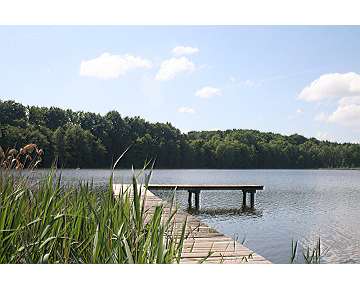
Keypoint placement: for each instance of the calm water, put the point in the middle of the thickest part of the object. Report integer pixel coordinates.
(296, 204)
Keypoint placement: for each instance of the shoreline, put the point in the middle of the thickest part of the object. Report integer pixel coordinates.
(225, 169)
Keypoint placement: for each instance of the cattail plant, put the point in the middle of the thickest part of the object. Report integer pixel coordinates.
(29, 157)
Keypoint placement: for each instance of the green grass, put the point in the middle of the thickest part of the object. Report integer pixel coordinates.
(46, 222)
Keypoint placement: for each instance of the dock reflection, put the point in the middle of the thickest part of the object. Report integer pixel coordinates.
(243, 211)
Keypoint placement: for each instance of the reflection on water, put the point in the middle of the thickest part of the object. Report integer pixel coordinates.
(242, 211)
(295, 205)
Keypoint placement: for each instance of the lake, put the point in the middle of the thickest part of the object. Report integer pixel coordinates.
(295, 205)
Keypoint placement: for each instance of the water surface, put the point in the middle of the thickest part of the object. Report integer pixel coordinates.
(296, 204)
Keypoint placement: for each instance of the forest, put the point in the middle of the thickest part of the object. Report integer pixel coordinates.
(77, 139)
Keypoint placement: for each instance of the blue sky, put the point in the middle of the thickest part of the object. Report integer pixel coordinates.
(280, 79)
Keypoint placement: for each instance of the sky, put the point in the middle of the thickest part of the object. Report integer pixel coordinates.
(282, 79)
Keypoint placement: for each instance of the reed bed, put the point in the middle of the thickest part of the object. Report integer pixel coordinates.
(44, 221)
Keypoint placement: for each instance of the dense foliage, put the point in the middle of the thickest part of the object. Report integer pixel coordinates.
(89, 140)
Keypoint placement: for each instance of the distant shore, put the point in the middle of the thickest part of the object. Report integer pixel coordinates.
(340, 168)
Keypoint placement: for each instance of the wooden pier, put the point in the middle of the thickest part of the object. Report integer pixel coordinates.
(203, 243)
(196, 189)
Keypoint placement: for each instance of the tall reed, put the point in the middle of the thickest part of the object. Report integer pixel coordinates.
(312, 255)
(47, 222)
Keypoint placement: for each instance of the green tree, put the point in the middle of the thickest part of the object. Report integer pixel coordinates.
(59, 146)
(82, 148)
(12, 113)
(83, 139)
(55, 118)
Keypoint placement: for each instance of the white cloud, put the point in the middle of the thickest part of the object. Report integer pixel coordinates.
(108, 66)
(170, 68)
(331, 86)
(208, 92)
(184, 50)
(350, 101)
(299, 111)
(345, 88)
(347, 115)
(186, 110)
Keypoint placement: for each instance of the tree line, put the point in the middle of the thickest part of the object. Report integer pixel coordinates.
(89, 140)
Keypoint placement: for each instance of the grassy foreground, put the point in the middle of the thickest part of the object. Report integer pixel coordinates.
(46, 222)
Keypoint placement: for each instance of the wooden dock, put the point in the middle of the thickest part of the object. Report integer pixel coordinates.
(203, 243)
(196, 189)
